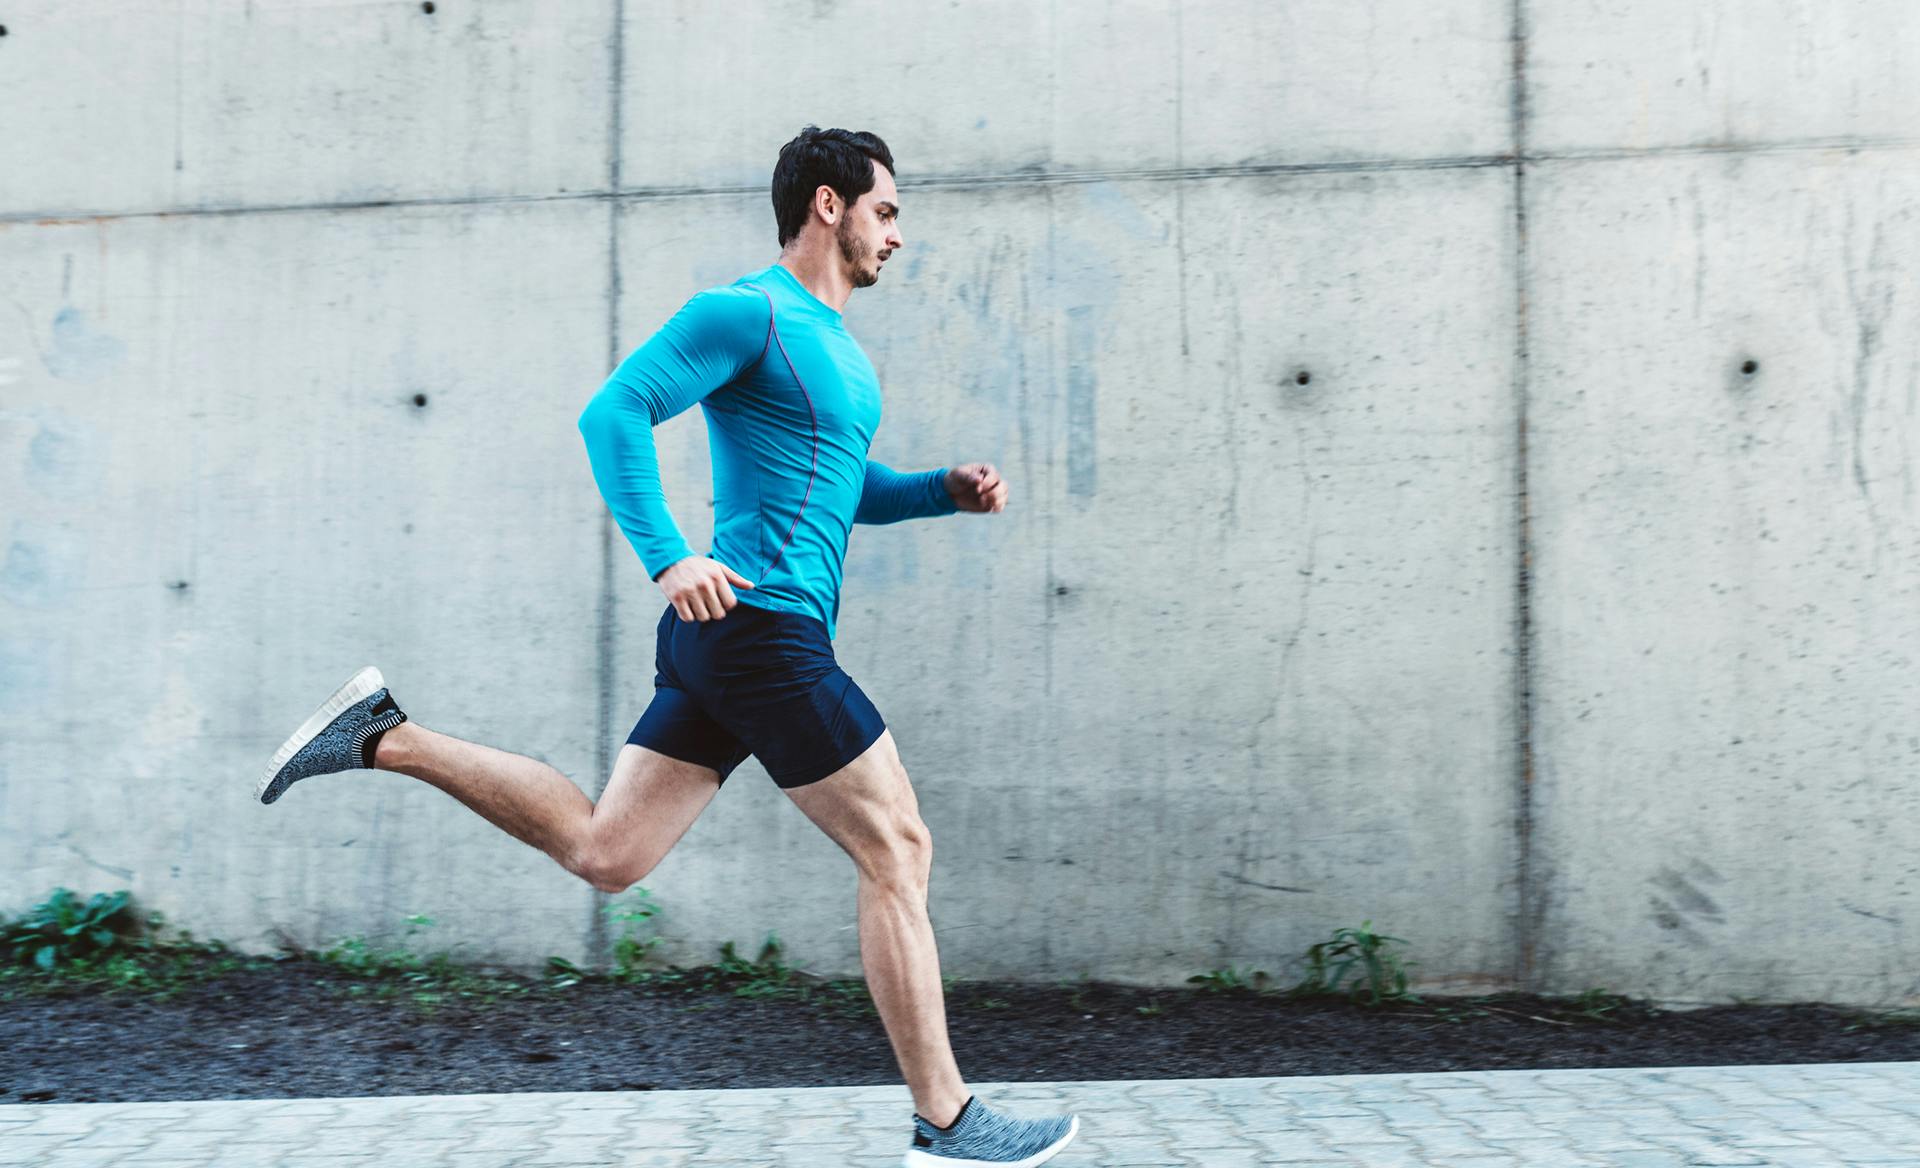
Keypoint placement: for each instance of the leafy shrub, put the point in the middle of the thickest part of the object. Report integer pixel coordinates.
(63, 929)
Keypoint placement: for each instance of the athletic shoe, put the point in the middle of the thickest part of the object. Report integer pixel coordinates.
(984, 1138)
(335, 737)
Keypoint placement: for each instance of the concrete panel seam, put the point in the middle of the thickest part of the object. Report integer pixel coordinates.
(607, 624)
(1851, 145)
(1526, 906)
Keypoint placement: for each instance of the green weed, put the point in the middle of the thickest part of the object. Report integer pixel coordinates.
(102, 944)
(766, 975)
(1230, 980)
(1596, 1004)
(631, 950)
(1874, 1019)
(63, 929)
(1380, 977)
(426, 981)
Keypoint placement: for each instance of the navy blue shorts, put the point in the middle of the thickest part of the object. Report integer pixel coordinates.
(755, 682)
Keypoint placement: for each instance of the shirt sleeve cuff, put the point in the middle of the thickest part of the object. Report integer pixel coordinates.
(937, 496)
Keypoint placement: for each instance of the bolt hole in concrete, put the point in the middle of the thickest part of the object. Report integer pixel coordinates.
(1302, 377)
(427, 7)
(1750, 368)
(419, 399)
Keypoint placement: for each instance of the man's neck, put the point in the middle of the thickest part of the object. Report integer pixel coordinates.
(821, 275)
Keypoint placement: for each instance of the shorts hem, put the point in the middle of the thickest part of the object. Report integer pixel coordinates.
(813, 774)
(723, 771)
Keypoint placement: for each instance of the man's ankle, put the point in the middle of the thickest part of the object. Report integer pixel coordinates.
(948, 1113)
(389, 749)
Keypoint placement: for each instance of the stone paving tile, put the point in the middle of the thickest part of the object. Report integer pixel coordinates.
(1456, 1140)
(70, 1157)
(1823, 1116)
(1650, 1158)
(1404, 1115)
(1707, 1150)
(1356, 1129)
(1804, 1158)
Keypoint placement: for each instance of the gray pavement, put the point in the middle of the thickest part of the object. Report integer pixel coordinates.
(1809, 1116)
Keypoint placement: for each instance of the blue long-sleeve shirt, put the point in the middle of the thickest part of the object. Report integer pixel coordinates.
(789, 441)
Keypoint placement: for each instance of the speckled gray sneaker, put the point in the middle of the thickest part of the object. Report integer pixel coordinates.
(335, 737)
(984, 1138)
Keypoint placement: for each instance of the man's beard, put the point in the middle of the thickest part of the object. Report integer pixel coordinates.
(857, 253)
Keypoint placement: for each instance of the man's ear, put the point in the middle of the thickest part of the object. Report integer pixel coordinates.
(829, 208)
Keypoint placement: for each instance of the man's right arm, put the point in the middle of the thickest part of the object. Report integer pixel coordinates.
(717, 336)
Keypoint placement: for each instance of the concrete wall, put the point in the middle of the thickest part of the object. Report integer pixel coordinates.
(1396, 533)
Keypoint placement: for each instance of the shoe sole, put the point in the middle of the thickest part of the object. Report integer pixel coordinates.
(919, 1159)
(359, 687)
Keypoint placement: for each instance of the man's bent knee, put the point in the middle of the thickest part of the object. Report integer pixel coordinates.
(610, 874)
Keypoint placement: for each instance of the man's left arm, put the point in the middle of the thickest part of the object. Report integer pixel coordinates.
(887, 496)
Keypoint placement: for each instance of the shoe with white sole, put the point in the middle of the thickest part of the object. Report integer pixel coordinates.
(335, 737)
(981, 1137)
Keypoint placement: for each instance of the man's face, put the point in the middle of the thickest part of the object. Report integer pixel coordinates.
(870, 230)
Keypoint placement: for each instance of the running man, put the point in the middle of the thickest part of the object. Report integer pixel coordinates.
(744, 661)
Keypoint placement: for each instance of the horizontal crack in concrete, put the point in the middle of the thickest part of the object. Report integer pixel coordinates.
(1019, 178)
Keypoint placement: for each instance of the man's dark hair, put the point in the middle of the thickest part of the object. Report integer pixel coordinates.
(841, 159)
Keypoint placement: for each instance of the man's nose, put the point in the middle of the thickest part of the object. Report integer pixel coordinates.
(894, 240)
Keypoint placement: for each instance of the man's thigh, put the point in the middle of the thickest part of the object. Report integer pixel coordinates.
(650, 802)
(866, 806)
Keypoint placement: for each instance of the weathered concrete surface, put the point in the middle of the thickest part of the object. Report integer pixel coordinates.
(150, 104)
(222, 500)
(1630, 74)
(1726, 572)
(1005, 88)
(1249, 658)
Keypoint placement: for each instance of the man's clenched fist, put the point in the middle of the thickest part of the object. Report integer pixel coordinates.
(699, 588)
(977, 487)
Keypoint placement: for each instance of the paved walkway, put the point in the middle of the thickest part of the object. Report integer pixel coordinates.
(1792, 1116)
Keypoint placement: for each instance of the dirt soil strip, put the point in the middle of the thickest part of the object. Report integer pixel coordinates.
(289, 1031)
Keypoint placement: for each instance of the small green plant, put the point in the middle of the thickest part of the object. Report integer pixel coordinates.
(1151, 1009)
(63, 929)
(102, 943)
(1230, 980)
(562, 973)
(426, 980)
(1382, 975)
(631, 949)
(1874, 1019)
(1596, 1004)
(355, 955)
(766, 976)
